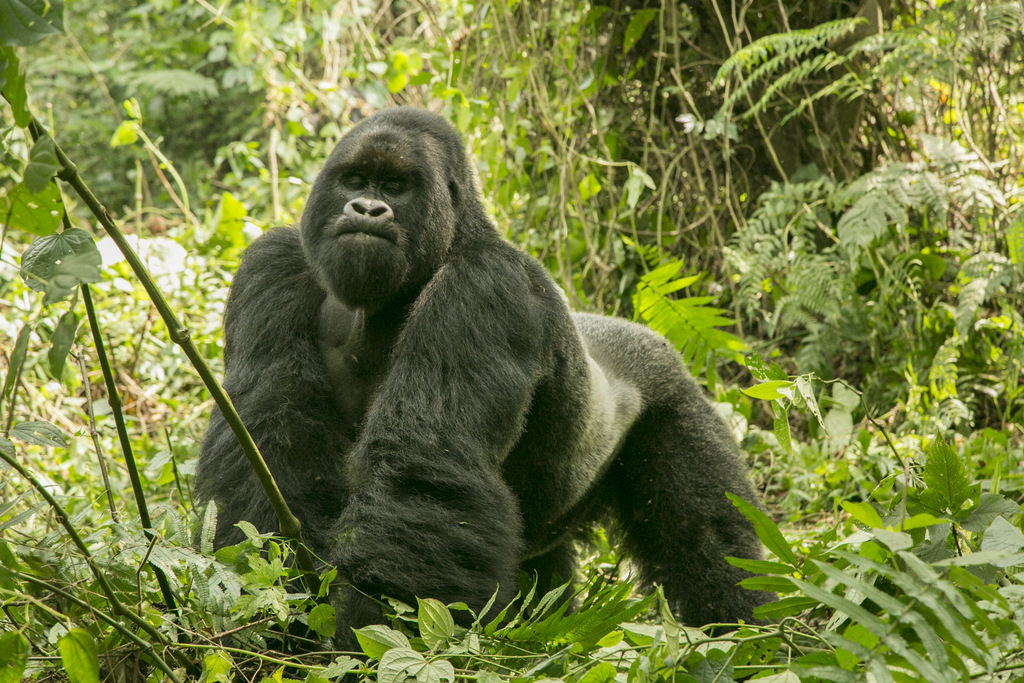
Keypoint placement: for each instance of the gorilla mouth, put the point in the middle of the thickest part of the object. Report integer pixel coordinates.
(362, 229)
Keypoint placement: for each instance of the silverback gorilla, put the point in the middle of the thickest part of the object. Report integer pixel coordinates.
(437, 418)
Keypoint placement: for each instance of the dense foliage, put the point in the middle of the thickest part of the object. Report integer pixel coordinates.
(818, 203)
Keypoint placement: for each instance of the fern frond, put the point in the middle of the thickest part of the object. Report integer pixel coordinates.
(690, 323)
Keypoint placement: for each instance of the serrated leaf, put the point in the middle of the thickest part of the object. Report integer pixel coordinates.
(28, 21)
(17, 359)
(990, 506)
(375, 640)
(945, 476)
(323, 620)
(636, 27)
(766, 530)
(60, 343)
(404, 664)
(37, 213)
(436, 623)
(42, 164)
(14, 651)
(63, 260)
(78, 654)
(780, 426)
(38, 433)
(6, 447)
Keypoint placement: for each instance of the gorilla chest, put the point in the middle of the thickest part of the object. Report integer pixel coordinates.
(354, 356)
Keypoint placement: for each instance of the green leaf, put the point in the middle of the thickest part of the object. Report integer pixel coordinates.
(14, 91)
(589, 187)
(769, 390)
(6, 447)
(945, 476)
(14, 651)
(990, 506)
(17, 359)
(42, 164)
(376, 639)
(127, 133)
(637, 25)
(1001, 536)
(403, 664)
(340, 667)
(28, 21)
(435, 621)
(78, 654)
(60, 344)
(38, 213)
(63, 260)
(323, 620)
(780, 425)
(864, 513)
(38, 433)
(766, 530)
(217, 667)
(602, 673)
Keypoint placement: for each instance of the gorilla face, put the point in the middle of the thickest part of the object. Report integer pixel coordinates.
(380, 217)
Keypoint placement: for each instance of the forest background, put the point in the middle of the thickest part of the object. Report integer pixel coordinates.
(818, 203)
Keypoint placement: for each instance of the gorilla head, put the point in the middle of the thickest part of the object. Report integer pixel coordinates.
(387, 207)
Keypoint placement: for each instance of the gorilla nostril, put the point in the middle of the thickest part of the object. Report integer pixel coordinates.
(370, 208)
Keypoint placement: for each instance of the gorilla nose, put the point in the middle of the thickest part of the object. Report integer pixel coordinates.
(369, 208)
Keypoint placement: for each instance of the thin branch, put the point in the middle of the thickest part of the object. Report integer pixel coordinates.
(180, 335)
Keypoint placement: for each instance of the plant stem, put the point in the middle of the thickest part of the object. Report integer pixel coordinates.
(114, 399)
(179, 334)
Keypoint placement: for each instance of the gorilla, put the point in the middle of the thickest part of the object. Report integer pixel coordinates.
(437, 418)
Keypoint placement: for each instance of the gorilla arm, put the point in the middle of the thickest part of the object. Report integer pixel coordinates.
(432, 516)
(277, 384)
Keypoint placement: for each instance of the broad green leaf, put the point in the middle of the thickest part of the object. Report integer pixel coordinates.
(990, 506)
(17, 359)
(1001, 536)
(403, 664)
(217, 667)
(589, 187)
(42, 164)
(602, 673)
(636, 27)
(864, 513)
(63, 260)
(781, 677)
(806, 391)
(435, 621)
(375, 640)
(14, 651)
(14, 84)
(945, 476)
(766, 530)
(38, 213)
(323, 620)
(715, 667)
(78, 654)
(28, 21)
(38, 433)
(6, 447)
(768, 390)
(341, 666)
(60, 344)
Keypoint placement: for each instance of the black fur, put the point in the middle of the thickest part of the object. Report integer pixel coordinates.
(437, 418)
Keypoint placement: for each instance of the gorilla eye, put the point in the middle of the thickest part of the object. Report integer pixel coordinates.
(395, 186)
(354, 182)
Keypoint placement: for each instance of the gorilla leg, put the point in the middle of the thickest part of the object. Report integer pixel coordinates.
(670, 482)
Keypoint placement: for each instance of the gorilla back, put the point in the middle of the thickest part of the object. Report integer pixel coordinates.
(437, 418)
